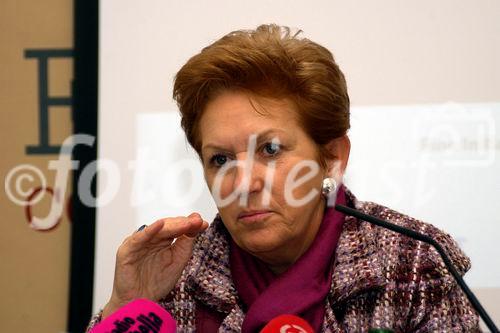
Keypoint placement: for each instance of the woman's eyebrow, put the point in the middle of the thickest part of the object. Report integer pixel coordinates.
(262, 135)
(266, 134)
(212, 146)
(270, 132)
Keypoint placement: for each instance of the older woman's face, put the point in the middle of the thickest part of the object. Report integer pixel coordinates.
(262, 170)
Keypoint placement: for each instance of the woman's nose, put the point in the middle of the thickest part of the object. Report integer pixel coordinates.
(249, 176)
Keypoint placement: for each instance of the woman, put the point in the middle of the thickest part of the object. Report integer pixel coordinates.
(268, 113)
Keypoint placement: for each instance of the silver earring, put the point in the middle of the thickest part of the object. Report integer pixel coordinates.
(329, 187)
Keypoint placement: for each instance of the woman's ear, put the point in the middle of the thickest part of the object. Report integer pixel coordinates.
(339, 149)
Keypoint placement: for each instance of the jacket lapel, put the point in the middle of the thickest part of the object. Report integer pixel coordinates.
(358, 263)
(209, 275)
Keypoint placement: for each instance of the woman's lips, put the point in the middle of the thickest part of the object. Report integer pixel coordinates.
(254, 216)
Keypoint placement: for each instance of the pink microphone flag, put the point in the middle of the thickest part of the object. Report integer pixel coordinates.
(138, 316)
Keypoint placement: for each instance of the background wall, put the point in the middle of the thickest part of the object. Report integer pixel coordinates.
(34, 257)
(420, 57)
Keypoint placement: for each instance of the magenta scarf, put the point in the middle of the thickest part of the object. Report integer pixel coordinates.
(301, 290)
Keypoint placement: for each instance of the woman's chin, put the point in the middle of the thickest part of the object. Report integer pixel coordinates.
(259, 244)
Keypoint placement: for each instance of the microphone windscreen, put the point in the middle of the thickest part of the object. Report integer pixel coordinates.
(287, 324)
(138, 316)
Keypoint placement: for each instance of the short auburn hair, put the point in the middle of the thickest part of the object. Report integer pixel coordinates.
(269, 61)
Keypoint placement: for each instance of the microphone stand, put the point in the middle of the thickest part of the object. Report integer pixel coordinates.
(426, 239)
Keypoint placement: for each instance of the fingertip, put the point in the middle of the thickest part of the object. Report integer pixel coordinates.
(160, 222)
(154, 227)
(194, 214)
(195, 230)
(194, 217)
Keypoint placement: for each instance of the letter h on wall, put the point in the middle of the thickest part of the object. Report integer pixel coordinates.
(44, 100)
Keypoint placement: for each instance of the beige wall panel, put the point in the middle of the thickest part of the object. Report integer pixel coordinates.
(34, 265)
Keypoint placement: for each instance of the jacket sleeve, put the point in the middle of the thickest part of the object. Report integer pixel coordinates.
(96, 319)
(437, 303)
(453, 314)
(446, 307)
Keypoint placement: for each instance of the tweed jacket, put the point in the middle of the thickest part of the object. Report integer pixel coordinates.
(380, 279)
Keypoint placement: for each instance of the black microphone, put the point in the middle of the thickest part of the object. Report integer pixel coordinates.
(426, 239)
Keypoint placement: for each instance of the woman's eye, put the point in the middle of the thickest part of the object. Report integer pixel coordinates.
(272, 148)
(218, 160)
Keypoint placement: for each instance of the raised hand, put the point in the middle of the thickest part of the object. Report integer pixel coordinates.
(149, 262)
